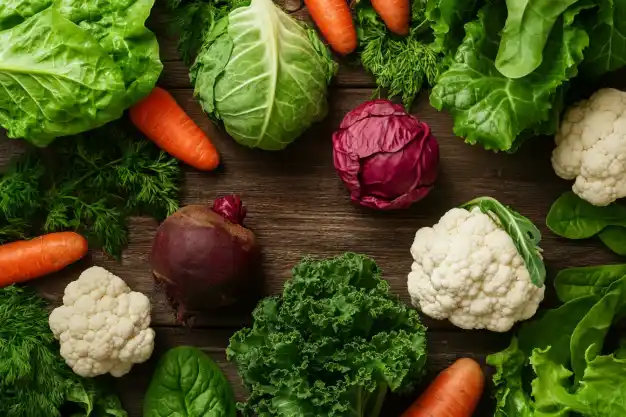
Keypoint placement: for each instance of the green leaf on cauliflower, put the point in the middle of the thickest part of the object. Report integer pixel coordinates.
(490, 109)
(333, 344)
(526, 236)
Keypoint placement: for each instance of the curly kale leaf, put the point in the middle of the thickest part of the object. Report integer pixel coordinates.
(333, 344)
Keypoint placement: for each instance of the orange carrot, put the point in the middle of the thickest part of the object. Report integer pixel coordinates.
(395, 13)
(454, 393)
(334, 20)
(165, 123)
(28, 259)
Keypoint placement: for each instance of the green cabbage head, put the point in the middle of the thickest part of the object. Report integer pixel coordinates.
(264, 75)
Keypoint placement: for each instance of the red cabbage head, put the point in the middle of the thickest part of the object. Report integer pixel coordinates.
(387, 158)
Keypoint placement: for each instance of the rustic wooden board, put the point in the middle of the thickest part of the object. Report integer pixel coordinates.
(298, 207)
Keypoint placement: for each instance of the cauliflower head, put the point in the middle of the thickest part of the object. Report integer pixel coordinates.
(591, 147)
(467, 269)
(102, 326)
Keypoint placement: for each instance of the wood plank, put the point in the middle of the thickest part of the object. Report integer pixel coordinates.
(299, 207)
(444, 348)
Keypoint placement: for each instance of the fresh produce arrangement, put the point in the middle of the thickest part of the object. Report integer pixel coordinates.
(560, 364)
(104, 143)
(36, 382)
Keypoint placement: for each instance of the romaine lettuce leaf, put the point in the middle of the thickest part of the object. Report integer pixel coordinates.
(491, 109)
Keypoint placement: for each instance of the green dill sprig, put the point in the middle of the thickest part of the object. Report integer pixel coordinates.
(401, 65)
(90, 183)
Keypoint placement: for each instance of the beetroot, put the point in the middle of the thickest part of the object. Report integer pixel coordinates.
(204, 256)
(387, 158)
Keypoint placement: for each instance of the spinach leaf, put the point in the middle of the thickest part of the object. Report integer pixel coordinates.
(526, 236)
(525, 34)
(575, 218)
(491, 109)
(574, 283)
(614, 237)
(187, 383)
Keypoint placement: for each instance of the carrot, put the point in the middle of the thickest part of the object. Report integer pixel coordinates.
(454, 393)
(395, 13)
(334, 20)
(28, 259)
(165, 123)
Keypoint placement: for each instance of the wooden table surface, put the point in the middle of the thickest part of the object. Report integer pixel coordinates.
(297, 206)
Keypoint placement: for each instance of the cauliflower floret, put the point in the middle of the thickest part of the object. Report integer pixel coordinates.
(467, 269)
(591, 147)
(102, 326)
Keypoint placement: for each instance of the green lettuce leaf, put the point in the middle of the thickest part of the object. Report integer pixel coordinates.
(333, 344)
(560, 356)
(56, 80)
(69, 66)
(491, 109)
(447, 19)
(528, 25)
(607, 38)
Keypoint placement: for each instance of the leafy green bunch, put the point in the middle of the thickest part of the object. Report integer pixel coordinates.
(333, 344)
(404, 65)
(511, 75)
(563, 364)
(90, 183)
(35, 381)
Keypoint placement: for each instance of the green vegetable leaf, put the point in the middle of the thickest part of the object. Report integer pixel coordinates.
(69, 66)
(333, 344)
(491, 109)
(607, 38)
(447, 19)
(53, 71)
(528, 25)
(574, 218)
(561, 356)
(92, 184)
(574, 283)
(526, 236)
(267, 81)
(511, 398)
(614, 237)
(401, 65)
(187, 383)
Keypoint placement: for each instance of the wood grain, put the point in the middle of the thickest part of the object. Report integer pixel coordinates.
(298, 207)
